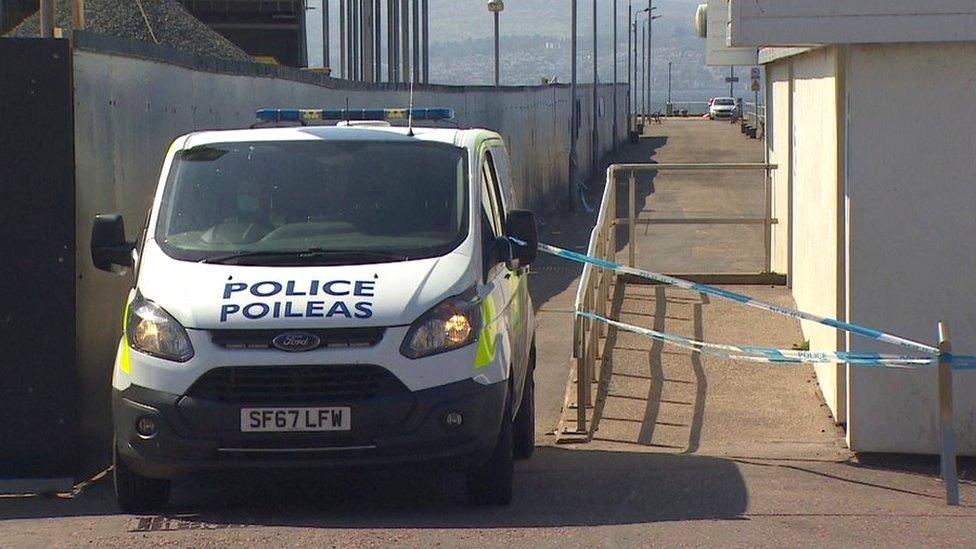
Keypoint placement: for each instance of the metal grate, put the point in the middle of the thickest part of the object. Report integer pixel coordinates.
(296, 384)
(333, 338)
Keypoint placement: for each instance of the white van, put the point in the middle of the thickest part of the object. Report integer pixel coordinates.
(338, 296)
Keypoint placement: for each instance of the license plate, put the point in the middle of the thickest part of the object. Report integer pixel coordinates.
(270, 420)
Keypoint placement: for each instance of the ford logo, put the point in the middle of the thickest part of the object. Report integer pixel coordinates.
(295, 342)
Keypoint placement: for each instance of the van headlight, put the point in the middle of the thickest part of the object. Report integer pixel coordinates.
(451, 324)
(150, 329)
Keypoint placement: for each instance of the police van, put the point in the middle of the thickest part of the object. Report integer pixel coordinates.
(325, 296)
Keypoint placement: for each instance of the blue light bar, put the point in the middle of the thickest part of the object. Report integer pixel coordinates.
(308, 115)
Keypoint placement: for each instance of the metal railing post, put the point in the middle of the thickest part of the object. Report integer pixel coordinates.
(632, 220)
(581, 377)
(590, 344)
(613, 216)
(601, 304)
(947, 433)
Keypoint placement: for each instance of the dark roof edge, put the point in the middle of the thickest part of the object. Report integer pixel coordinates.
(114, 45)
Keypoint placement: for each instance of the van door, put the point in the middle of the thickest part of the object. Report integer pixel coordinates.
(497, 295)
(521, 307)
(507, 283)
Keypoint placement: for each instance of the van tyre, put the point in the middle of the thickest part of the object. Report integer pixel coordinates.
(492, 483)
(134, 492)
(524, 427)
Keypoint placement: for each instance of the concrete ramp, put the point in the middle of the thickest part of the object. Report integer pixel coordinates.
(669, 399)
(662, 398)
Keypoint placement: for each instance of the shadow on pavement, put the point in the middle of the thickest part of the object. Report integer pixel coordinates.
(557, 487)
(914, 464)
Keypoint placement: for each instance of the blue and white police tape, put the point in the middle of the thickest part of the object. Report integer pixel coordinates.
(869, 333)
(784, 356)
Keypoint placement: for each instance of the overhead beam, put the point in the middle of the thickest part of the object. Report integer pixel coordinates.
(801, 22)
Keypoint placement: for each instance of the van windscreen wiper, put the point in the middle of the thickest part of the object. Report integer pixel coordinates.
(310, 254)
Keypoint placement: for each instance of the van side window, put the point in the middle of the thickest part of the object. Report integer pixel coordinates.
(503, 168)
(490, 190)
(492, 220)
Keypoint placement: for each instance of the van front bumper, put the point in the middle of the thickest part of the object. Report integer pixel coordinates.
(194, 434)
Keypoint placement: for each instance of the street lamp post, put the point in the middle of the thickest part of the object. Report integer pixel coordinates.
(630, 16)
(594, 131)
(342, 39)
(426, 55)
(354, 37)
(495, 7)
(574, 118)
(645, 82)
(635, 102)
(669, 88)
(326, 61)
(650, 55)
(377, 41)
(643, 101)
(404, 40)
(614, 92)
(647, 59)
(416, 41)
(390, 40)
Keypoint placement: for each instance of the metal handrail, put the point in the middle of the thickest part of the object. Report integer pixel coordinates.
(591, 295)
(594, 290)
(757, 113)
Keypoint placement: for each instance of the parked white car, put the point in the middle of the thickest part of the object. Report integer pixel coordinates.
(721, 107)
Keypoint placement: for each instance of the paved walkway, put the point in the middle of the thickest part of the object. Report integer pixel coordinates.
(666, 398)
(686, 248)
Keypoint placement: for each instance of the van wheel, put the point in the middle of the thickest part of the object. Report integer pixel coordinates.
(524, 427)
(492, 483)
(134, 492)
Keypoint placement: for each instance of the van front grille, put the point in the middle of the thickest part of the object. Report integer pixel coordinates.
(331, 338)
(296, 384)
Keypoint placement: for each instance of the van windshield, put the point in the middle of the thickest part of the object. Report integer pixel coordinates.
(314, 202)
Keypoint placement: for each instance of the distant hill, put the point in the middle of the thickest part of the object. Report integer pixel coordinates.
(535, 42)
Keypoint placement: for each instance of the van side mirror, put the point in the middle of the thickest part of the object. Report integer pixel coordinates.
(521, 226)
(108, 244)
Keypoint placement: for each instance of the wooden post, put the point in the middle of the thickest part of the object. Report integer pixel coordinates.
(78, 14)
(947, 433)
(47, 18)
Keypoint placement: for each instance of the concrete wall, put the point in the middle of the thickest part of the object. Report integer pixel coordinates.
(888, 242)
(128, 109)
(815, 209)
(911, 193)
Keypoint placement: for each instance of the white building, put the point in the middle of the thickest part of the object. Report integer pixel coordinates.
(872, 122)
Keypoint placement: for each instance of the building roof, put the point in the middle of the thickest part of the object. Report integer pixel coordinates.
(806, 23)
(155, 21)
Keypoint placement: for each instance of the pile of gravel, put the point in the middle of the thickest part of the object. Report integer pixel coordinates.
(155, 21)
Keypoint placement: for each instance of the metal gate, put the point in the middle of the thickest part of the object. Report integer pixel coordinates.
(38, 392)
